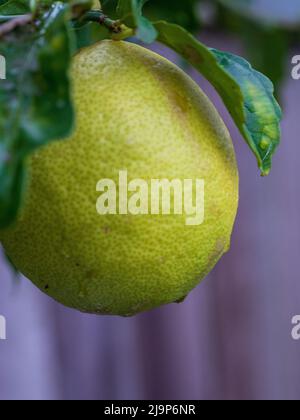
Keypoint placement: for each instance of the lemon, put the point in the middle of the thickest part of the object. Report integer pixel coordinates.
(136, 112)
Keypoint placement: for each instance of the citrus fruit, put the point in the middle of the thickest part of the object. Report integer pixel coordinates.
(136, 114)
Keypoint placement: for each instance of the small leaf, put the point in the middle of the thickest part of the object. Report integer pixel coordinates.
(88, 34)
(35, 99)
(247, 94)
(261, 126)
(130, 12)
(79, 7)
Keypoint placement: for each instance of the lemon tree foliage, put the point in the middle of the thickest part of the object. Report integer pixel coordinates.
(262, 113)
(247, 93)
(130, 11)
(35, 98)
(13, 7)
(37, 40)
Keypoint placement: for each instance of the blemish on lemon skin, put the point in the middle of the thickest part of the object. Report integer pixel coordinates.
(106, 230)
(179, 102)
(219, 250)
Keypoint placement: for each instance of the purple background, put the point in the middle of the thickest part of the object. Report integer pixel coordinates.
(231, 339)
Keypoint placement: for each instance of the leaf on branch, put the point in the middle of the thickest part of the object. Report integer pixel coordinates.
(79, 7)
(247, 94)
(261, 125)
(35, 100)
(130, 12)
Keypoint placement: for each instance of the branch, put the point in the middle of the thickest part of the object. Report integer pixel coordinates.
(97, 16)
(13, 22)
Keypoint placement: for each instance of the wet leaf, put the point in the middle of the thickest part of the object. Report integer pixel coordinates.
(247, 94)
(130, 12)
(35, 99)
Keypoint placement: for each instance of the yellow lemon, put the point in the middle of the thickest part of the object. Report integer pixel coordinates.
(145, 128)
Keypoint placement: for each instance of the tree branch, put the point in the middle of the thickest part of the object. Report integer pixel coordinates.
(12, 22)
(97, 16)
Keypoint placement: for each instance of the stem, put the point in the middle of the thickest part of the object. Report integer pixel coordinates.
(118, 30)
(4, 18)
(97, 16)
(34, 6)
(12, 22)
(123, 34)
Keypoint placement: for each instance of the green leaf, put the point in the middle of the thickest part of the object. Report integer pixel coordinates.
(14, 7)
(35, 99)
(79, 7)
(247, 94)
(88, 34)
(261, 125)
(130, 12)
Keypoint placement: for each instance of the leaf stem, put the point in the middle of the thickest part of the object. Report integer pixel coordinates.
(97, 16)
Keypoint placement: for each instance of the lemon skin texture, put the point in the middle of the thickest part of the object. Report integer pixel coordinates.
(138, 112)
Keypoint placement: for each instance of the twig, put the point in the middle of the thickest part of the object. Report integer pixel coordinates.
(13, 23)
(97, 16)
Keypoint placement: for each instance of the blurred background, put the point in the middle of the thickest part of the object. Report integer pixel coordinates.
(231, 338)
